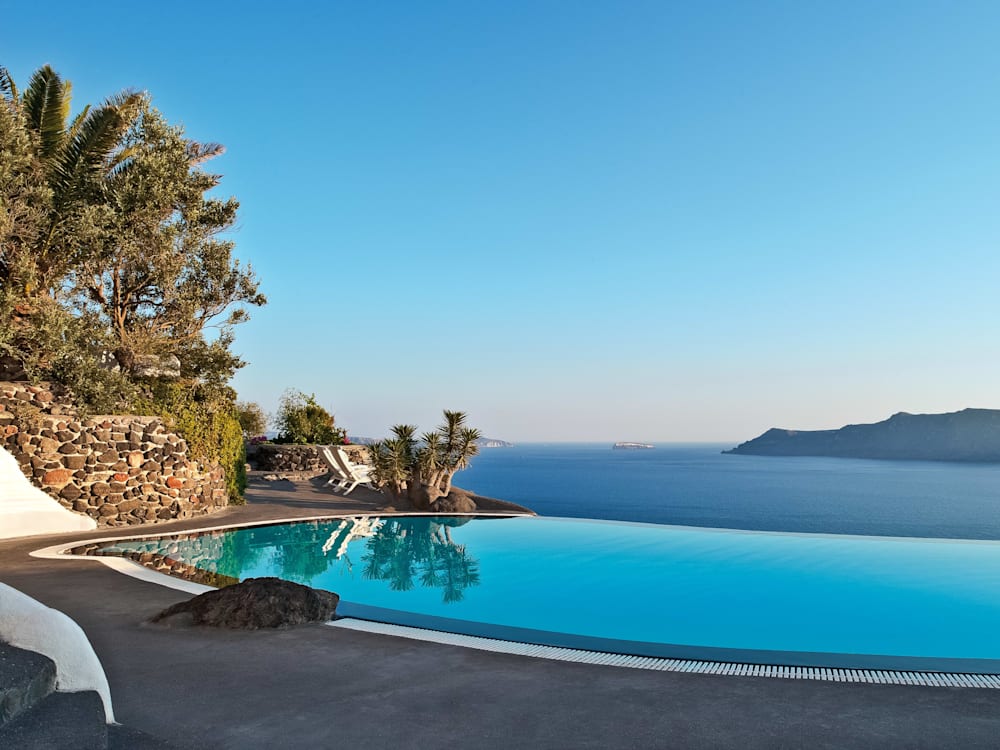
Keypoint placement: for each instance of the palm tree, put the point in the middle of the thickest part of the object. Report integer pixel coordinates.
(77, 156)
(423, 471)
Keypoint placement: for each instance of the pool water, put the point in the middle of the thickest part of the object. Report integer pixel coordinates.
(769, 597)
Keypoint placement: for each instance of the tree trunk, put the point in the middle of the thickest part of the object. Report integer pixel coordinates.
(423, 496)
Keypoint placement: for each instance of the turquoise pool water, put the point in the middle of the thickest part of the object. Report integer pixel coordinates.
(638, 588)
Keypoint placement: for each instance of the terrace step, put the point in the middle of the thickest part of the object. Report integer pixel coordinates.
(67, 721)
(26, 678)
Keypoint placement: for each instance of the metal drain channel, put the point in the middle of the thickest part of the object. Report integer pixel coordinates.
(827, 674)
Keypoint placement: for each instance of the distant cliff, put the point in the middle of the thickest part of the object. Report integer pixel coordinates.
(493, 443)
(968, 435)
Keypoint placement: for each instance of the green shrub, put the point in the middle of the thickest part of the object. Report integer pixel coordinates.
(303, 421)
(207, 420)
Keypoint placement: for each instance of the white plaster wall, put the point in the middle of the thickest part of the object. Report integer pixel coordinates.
(30, 625)
(27, 511)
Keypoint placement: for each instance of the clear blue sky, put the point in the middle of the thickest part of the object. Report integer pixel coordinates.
(588, 221)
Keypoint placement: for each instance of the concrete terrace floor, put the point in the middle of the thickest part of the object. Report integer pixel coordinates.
(319, 687)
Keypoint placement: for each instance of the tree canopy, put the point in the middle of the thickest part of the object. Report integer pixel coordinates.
(112, 243)
(115, 263)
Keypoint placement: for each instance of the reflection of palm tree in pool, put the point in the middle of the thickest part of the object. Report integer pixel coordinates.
(421, 549)
(289, 551)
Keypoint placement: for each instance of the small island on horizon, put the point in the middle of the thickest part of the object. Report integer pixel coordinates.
(971, 435)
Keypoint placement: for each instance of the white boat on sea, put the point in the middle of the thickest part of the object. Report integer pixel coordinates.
(632, 446)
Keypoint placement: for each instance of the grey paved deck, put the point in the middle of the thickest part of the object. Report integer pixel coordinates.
(318, 687)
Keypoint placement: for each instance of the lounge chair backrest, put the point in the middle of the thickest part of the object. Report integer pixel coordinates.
(330, 460)
(349, 469)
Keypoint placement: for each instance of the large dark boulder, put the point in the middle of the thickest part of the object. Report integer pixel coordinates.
(257, 603)
(456, 501)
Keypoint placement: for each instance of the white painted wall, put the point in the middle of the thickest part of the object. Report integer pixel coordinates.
(27, 511)
(30, 625)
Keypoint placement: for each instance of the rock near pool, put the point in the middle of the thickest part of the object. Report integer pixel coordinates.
(257, 603)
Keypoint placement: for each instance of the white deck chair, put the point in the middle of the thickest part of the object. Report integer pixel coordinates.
(356, 473)
(337, 478)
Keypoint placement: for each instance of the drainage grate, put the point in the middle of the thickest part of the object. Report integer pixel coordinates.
(829, 674)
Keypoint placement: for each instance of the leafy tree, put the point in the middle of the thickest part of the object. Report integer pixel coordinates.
(75, 157)
(422, 471)
(253, 419)
(25, 199)
(302, 420)
(158, 274)
(110, 243)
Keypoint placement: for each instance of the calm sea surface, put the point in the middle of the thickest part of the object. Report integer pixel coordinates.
(695, 485)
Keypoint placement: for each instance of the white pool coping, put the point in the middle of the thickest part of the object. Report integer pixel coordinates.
(533, 650)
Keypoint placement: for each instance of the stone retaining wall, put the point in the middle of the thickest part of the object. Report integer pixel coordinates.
(120, 470)
(287, 457)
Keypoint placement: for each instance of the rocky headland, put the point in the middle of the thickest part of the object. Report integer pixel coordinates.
(967, 435)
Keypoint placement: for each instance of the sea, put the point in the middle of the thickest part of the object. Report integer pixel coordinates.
(698, 485)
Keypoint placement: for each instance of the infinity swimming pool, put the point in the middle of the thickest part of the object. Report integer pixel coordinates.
(763, 597)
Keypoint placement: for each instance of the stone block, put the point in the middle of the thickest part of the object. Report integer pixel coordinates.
(99, 489)
(77, 461)
(47, 445)
(108, 510)
(70, 492)
(56, 477)
(135, 459)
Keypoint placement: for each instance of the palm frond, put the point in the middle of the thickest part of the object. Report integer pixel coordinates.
(33, 99)
(46, 104)
(74, 127)
(88, 154)
(7, 86)
(197, 153)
